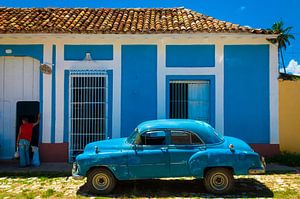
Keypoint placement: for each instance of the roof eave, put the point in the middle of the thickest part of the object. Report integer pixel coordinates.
(146, 35)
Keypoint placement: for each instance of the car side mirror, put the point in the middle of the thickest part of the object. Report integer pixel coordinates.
(137, 147)
(134, 147)
(231, 147)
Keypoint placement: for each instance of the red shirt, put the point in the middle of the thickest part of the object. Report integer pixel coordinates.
(26, 131)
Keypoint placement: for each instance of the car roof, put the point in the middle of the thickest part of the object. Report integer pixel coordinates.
(185, 124)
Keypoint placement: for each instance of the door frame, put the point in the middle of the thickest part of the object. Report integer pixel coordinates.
(86, 73)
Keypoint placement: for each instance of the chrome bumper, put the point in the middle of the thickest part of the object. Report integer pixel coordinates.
(77, 177)
(257, 171)
(260, 170)
(75, 172)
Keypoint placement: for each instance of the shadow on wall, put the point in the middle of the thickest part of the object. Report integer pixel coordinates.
(244, 188)
(289, 114)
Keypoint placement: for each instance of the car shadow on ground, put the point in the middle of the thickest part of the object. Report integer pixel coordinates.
(244, 187)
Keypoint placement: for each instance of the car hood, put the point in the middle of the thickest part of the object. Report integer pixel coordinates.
(238, 144)
(107, 145)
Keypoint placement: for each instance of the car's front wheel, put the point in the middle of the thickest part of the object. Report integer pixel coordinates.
(218, 180)
(101, 181)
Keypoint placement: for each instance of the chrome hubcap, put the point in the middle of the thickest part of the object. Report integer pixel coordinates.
(101, 181)
(219, 181)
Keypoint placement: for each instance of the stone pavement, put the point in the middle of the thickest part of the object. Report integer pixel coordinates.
(273, 168)
(12, 167)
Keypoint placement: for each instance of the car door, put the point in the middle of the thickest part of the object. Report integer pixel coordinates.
(183, 145)
(149, 158)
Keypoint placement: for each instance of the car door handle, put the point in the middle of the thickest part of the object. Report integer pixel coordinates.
(165, 149)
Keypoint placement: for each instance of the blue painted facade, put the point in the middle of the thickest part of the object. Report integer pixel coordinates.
(246, 92)
(246, 84)
(30, 50)
(78, 52)
(190, 55)
(139, 86)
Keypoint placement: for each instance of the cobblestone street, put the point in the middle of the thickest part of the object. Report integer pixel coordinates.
(256, 186)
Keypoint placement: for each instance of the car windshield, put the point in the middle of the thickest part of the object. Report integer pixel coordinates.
(211, 136)
(220, 137)
(133, 135)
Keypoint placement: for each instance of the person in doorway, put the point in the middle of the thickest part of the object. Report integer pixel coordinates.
(23, 140)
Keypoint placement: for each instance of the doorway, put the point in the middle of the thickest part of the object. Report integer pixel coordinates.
(88, 109)
(19, 81)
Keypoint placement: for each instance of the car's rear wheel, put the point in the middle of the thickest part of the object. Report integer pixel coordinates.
(218, 180)
(101, 181)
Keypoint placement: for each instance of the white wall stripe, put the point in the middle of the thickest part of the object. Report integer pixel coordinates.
(161, 84)
(59, 116)
(116, 107)
(219, 92)
(47, 101)
(196, 36)
(274, 95)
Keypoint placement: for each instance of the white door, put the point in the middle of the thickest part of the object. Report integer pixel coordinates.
(19, 81)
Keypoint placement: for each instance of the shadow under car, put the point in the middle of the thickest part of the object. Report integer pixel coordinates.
(244, 187)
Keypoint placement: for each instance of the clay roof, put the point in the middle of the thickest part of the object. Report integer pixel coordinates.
(114, 21)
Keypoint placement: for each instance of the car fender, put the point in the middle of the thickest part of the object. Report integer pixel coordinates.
(211, 158)
(114, 162)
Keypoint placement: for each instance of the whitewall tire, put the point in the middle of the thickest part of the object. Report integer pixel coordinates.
(218, 181)
(100, 181)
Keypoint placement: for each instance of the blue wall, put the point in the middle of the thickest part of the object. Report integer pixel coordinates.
(66, 105)
(190, 55)
(212, 101)
(31, 50)
(139, 85)
(246, 92)
(98, 52)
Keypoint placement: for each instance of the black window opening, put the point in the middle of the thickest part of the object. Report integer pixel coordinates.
(153, 138)
(184, 138)
(190, 100)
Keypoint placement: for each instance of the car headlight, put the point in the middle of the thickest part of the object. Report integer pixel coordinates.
(75, 167)
(262, 159)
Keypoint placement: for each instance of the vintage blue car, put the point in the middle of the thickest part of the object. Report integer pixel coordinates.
(168, 148)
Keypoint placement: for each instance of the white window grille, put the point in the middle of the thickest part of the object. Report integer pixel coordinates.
(189, 99)
(88, 109)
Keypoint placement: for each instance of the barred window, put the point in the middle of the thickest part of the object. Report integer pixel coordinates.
(190, 100)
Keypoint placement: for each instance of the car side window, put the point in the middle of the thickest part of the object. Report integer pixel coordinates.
(152, 138)
(184, 138)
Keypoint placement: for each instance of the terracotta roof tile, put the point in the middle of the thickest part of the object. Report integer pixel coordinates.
(114, 21)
